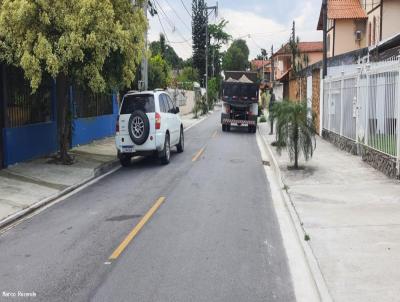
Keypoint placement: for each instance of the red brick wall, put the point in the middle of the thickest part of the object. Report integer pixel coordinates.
(316, 97)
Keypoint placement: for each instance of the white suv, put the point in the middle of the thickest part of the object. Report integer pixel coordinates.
(148, 124)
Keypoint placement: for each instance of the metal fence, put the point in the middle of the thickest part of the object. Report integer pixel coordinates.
(23, 106)
(363, 105)
(89, 104)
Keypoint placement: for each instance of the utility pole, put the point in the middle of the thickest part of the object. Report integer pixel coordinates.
(325, 28)
(272, 77)
(145, 63)
(215, 9)
(294, 32)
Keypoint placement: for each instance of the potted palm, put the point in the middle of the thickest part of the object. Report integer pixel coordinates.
(294, 130)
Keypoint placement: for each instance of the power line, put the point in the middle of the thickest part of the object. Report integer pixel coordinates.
(179, 17)
(163, 29)
(184, 6)
(171, 24)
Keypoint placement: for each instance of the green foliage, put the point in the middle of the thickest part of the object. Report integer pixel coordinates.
(237, 56)
(188, 74)
(159, 72)
(199, 21)
(262, 119)
(212, 92)
(167, 52)
(217, 38)
(96, 43)
(294, 131)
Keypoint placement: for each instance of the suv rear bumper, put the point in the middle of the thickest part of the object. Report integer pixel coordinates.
(151, 145)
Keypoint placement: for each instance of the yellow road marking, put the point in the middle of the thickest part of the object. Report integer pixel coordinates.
(214, 134)
(136, 229)
(198, 154)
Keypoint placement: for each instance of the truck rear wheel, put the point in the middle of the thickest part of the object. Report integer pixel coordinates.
(228, 127)
(223, 127)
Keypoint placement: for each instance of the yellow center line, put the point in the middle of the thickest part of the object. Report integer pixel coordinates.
(198, 154)
(214, 134)
(136, 229)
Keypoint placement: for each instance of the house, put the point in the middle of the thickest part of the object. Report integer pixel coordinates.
(262, 67)
(355, 24)
(310, 52)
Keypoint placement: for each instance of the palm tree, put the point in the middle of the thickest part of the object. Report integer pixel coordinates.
(294, 130)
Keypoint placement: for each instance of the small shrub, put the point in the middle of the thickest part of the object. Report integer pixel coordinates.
(263, 119)
(306, 237)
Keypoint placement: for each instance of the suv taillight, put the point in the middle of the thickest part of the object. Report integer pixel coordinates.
(158, 120)
(117, 125)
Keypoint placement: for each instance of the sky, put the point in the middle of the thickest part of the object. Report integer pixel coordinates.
(262, 23)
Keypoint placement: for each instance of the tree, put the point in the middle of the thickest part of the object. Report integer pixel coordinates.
(237, 56)
(159, 72)
(217, 38)
(167, 52)
(94, 43)
(199, 21)
(294, 131)
(188, 74)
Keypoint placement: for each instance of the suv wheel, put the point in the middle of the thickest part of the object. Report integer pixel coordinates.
(139, 127)
(166, 153)
(181, 145)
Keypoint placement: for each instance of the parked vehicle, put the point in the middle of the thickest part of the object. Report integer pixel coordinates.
(239, 104)
(148, 124)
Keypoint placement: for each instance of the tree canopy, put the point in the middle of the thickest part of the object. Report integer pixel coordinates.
(167, 52)
(159, 72)
(97, 43)
(199, 21)
(237, 56)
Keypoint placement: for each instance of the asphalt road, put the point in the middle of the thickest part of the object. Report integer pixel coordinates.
(214, 238)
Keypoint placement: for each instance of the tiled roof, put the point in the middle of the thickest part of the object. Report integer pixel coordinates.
(343, 9)
(304, 47)
(257, 64)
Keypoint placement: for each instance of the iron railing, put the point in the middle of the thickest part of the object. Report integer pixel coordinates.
(363, 105)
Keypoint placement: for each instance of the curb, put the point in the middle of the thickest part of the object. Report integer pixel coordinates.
(312, 262)
(101, 170)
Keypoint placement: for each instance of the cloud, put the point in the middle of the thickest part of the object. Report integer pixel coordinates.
(266, 25)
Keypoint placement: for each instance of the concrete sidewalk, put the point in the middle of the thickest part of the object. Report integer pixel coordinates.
(352, 214)
(29, 185)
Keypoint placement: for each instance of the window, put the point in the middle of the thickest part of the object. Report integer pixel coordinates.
(170, 104)
(369, 34)
(141, 102)
(163, 103)
(374, 32)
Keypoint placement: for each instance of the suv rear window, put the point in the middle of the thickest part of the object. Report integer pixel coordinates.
(142, 102)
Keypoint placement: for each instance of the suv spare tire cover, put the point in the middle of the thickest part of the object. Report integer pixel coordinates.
(139, 127)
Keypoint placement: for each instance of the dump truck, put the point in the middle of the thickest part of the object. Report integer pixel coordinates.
(239, 103)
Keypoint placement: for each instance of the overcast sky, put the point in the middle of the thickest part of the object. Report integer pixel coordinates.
(266, 21)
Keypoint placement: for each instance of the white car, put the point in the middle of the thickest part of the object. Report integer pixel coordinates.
(148, 124)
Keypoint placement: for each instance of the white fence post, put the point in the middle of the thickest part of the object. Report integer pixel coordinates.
(329, 104)
(397, 104)
(321, 102)
(358, 107)
(341, 104)
(367, 105)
